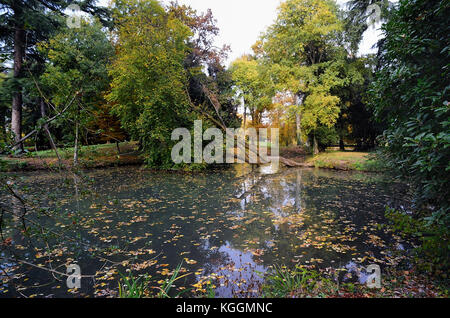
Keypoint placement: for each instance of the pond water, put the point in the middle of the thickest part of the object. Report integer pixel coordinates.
(225, 227)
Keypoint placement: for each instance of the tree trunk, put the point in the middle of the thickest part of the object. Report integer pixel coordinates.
(48, 121)
(315, 145)
(340, 127)
(341, 143)
(75, 149)
(245, 116)
(49, 135)
(16, 111)
(2, 122)
(253, 114)
(118, 148)
(298, 129)
(359, 145)
(298, 118)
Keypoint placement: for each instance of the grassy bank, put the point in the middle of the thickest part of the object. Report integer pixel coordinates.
(300, 282)
(346, 160)
(93, 156)
(106, 155)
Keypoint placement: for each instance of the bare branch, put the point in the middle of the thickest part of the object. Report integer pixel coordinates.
(46, 122)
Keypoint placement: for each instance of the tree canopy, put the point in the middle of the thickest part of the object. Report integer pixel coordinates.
(411, 93)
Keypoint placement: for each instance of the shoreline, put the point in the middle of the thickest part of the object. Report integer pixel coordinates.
(107, 158)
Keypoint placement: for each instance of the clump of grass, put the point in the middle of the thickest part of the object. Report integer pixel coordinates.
(133, 288)
(323, 164)
(168, 284)
(282, 282)
(140, 287)
(93, 151)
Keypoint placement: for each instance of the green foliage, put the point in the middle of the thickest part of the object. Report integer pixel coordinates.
(405, 223)
(23, 25)
(78, 59)
(306, 60)
(372, 164)
(133, 287)
(326, 136)
(304, 32)
(78, 63)
(411, 93)
(357, 19)
(3, 165)
(148, 90)
(40, 19)
(309, 53)
(210, 292)
(5, 100)
(168, 284)
(208, 79)
(432, 253)
(282, 282)
(253, 84)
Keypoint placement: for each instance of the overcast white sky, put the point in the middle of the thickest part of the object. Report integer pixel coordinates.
(242, 21)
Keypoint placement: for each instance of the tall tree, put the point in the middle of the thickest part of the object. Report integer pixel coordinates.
(23, 24)
(253, 87)
(78, 60)
(148, 89)
(302, 46)
(210, 83)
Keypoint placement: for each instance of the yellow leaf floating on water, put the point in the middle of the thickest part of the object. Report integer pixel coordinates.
(190, 261)
(257, 252)
(165, 272)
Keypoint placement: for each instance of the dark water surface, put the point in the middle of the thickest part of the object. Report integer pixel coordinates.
(227, 227)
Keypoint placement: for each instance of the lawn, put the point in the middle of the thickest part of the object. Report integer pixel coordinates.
(92, 156)
(346, 160)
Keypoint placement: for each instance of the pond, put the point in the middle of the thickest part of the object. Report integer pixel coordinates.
(225, 227)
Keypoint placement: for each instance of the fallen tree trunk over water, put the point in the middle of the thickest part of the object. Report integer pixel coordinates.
(292, 163)
(215, 103)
